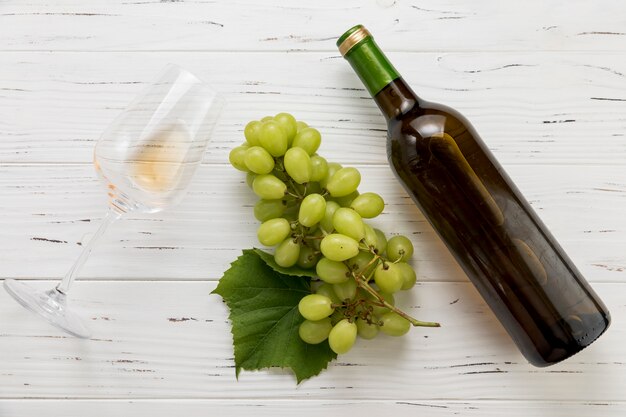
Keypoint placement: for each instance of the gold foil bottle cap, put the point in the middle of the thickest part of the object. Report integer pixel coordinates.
(352, 37)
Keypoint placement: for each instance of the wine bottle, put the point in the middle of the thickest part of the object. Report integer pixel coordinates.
(520, 270)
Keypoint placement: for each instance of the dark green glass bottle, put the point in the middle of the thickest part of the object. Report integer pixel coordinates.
(520, 270)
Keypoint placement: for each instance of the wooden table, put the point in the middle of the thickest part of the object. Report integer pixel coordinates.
(543, 81)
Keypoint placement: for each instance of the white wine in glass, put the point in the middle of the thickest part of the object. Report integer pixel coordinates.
(146, 159)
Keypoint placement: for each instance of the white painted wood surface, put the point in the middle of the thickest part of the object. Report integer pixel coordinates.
(309, 408)
(543, 81)
(540, 107)
(247, 25)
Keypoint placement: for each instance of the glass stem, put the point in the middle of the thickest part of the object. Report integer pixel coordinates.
(67, 281)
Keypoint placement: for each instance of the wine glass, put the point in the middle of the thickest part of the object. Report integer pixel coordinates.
(146, 159)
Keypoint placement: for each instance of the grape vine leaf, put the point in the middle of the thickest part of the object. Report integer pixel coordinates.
(263, 306)
(295, 271)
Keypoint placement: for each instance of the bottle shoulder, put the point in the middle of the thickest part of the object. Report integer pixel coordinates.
(415, 136)
(428, 119)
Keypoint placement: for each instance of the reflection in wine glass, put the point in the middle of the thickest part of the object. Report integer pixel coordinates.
(146, 159)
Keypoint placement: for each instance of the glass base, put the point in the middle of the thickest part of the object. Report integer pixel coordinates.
(51, 305)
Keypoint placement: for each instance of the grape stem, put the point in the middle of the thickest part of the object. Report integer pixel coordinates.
(295, 190)
(281, 167)
(374, 260)
(309, 237)
(363, 284)
(364, 247)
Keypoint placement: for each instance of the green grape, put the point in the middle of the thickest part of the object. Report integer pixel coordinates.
(394, 324)
(366, 330)
(346, 200)
(371, 240)
(258, 160)
(327, 221)
(348, 222)
(368, 205)
(382, 241)
(359, 263)
(300, 125)
(319, 168)
(317, 235)
(332, 272)
(312, 210)
(291, 213)
(298, 165)
(338, 247)
(313, 229)
(267, 119)
(268, 209)
(327, 290)
(344, 182)
(314, 332)
(308, 139)
(315, 307)
(287, 253)
(251, 132)
(273, 138)
(289, 125)
(313, 188)
(333, 167)
(409, 277)
(337, 316)
(307, 258)
(250, 176)
(236, 158)
(378, 311)
(269, 187)
(399, 247)
(388, 277)
(273, 231)
(346, 290)
(342, 336)
(299, 188)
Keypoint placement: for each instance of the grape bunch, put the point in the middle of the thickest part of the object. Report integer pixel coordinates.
(311, 210)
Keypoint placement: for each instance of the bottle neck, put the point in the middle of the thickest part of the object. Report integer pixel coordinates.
(396, 99)
(393, 96)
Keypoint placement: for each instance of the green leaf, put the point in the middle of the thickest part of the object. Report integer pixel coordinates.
(295, 271)
(264, 314)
